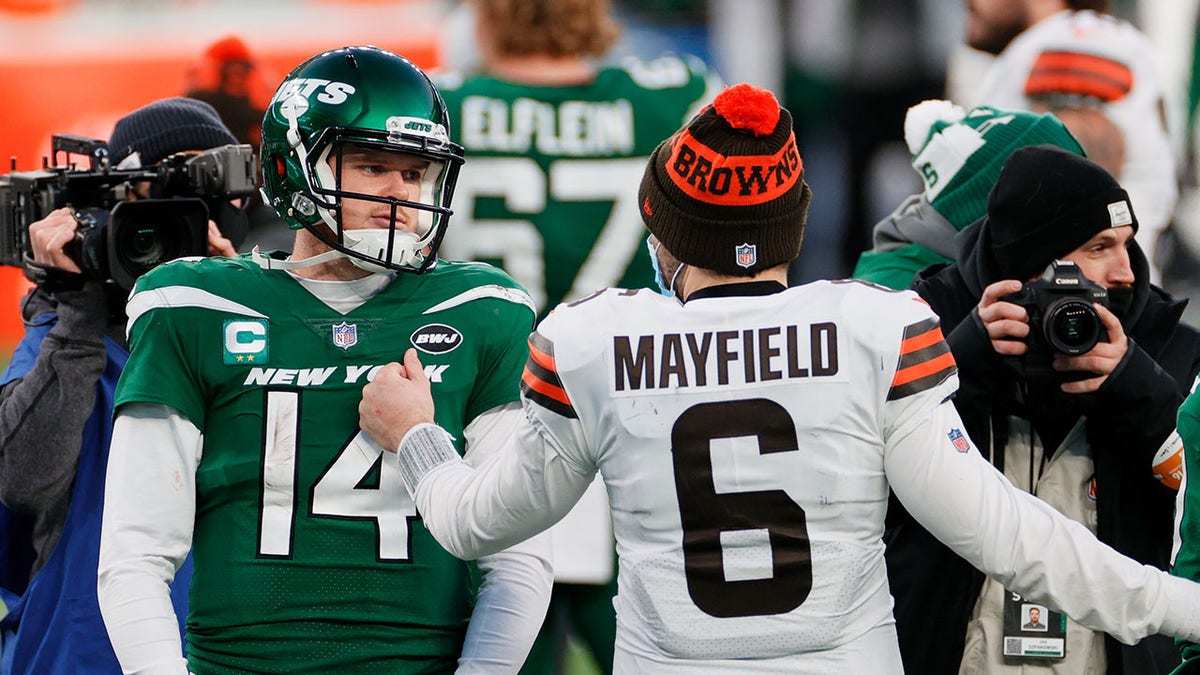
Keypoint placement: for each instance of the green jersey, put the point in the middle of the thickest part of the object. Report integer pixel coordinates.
(549, 188)
(309, 553)
(1186, 560)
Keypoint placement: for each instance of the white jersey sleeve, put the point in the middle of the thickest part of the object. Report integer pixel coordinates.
(1026, 545)
(506, 499)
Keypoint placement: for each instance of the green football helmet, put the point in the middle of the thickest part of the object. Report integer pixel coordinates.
(365, 97)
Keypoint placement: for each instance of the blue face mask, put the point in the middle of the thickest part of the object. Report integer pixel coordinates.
(652, 245)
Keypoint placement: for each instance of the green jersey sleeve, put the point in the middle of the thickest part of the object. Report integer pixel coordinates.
(1187, 559)
(166, 363)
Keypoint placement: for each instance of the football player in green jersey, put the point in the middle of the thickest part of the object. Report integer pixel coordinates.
(558, 143)
(236, 431)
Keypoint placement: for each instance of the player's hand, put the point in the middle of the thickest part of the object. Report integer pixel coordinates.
(217, 244)
(1007, 323)
(49, 236)
(1102, 359)
(397, 400)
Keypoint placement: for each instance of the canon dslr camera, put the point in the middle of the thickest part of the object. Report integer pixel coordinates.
(1061, 316)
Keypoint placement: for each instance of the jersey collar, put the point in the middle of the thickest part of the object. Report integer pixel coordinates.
(746, 288)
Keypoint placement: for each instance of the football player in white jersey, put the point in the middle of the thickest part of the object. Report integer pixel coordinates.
(1052, 54)
(748, 435)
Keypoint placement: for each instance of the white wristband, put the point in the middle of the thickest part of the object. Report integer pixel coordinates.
(425, 447)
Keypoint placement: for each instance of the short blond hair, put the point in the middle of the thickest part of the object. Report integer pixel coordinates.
(550, 27)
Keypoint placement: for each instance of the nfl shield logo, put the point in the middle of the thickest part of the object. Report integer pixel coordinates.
(960, 441)
(345, 335)
(747, 255)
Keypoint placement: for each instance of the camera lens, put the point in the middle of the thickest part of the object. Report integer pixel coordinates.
(148, 232)
(145, 247)
(1071, 326)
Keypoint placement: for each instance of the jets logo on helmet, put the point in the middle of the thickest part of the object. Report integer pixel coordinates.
(333, 93)
(360, 99)
(399, 126)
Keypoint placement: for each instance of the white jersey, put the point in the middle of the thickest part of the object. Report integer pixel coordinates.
(747, 445)
(1099, 58)
(752, 440)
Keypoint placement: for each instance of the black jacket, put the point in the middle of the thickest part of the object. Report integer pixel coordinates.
(1128, 418)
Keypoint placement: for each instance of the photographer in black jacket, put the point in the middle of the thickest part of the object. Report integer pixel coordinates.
(56, 409)
(1078, 431)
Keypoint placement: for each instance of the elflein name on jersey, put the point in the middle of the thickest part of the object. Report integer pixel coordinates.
(569, 128)
(677, 360)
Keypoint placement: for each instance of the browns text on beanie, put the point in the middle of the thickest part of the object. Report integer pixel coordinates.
(165, 127)
(727, 192)
(1048, 202)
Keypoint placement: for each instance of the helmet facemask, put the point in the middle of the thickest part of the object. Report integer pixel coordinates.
(411, 249)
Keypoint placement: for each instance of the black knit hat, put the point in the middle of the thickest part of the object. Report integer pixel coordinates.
(1048, 202)
(727, 192)
(163, 128)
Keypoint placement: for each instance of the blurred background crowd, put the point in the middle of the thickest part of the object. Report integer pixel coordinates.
(847, 69)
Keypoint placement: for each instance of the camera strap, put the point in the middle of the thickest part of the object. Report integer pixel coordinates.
(51, 279)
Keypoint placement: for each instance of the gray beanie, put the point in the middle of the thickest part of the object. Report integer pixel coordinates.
(163, 128)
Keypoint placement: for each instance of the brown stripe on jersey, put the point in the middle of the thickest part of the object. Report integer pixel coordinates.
(925, 360)
(549, 397)
(1079, 74)
(540, 382)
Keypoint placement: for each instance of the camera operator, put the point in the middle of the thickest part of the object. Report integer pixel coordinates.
(1079, 431)
(56, 410)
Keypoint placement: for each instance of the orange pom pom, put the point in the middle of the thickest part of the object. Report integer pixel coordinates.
(748, 107)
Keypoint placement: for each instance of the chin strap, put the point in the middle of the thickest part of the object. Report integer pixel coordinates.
(268, 263)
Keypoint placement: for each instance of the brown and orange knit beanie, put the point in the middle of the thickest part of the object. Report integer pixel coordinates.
(727, 192)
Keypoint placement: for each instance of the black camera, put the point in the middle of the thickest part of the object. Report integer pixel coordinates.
(1061, 316)
(118, 240)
